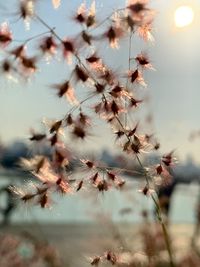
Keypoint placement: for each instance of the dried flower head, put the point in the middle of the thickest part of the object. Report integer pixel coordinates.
(28, 64)
(26, 9)
(81, 14)
(34, 164)
(113, 34)
(136, 77)
(111, 257)
(65, 89)
(102, 186)
(55, 127)
(168, 159)
(37, 136)
(146, 190)
(90, 164)
(93, 58)
(90, 21)
(63, 186)
(79, 132)
(18, 52)
(87, 38)
(43, 200)
(139, 11)
(68, 49)
(48, 45)
(54, 139)
(144, 31)
(81, 75)
(5, 34)
(6, 66)
(69, 120)
(143, 61)
(60, 158)
(80, 185)
(95, 261)
(56, 3)
(137, 6)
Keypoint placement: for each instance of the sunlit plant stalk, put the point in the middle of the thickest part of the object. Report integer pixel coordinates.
(110, 91)
(155, 201)
(159, 215)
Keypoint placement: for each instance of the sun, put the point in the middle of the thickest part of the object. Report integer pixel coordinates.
(184, 16)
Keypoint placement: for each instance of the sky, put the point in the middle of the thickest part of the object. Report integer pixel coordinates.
(173, 87)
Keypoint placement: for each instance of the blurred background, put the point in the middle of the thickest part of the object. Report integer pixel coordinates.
(174, 95)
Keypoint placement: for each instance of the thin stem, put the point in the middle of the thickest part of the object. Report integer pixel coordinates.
(159, 216)
(77, 57)
(123, 170)
(166, 236)
(107, 18)
(197, 223)
(129, 67)
(32, 38)
(122, 126)
(60, 39)
(52, 30)
(105, 169)
(156, 203)
(79, 105)
(144, 170)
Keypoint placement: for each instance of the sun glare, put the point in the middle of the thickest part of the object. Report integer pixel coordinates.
(184, 16)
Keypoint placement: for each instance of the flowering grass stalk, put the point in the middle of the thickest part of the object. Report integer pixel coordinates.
(112, 95)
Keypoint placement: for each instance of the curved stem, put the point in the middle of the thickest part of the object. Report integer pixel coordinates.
(159, 217)
(156, 203)
(32, 38)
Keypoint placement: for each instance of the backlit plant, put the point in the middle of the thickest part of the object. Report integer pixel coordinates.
(113, 94)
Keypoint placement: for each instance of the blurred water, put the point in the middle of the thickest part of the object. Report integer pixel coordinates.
(87, 206)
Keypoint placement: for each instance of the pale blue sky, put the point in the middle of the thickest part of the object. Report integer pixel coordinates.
(174, 87)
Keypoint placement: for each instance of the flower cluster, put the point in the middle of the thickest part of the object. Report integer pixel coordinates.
(113, 96)
(108, 256)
